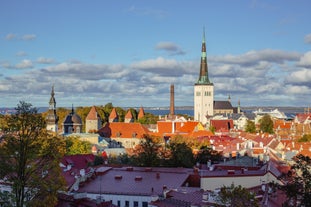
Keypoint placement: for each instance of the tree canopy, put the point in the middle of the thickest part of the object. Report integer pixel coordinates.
(298, 187)
(206, 154)
(305, 138)
(147, 153)
(266, 124)
(76, 146)
(233, 196)
(181, 155)
(29, 159)
(250, 126)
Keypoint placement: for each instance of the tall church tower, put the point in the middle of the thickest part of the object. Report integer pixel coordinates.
(203, 90)
(52, 118)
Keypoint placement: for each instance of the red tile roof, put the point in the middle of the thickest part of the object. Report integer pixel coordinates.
(281, 124)
(222, 125)
(124, 130)
(77, 162)
(128, 115)
(188, 127)
(141, 113)
(113, 114)
(302, 117)
(92, 115)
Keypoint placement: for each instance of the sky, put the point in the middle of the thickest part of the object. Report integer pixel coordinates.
(128, 53)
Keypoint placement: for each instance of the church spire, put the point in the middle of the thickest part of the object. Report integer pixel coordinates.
(52, 102)
(52, 118)
(203, 78)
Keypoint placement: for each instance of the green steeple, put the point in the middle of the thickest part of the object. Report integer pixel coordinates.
(203, 78)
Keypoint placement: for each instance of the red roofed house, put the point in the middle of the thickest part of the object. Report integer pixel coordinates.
(222, 125)
(129, 134)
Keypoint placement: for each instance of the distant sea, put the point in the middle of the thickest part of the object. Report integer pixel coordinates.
(289, 111)
(162, 112)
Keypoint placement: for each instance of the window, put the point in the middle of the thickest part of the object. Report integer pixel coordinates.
(135, 203)
(127, 204)
(119, 203)
(198, 93)
(145, 204)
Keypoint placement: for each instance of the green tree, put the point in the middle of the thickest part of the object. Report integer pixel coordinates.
(266, 124)
(212, 129)
(147, 152)
(206, 154)
(250, 126)
(29, 159)
(298, 187)
(181, 155)
(305, 138)
(236, 196)
(148, 119)
(76, 146)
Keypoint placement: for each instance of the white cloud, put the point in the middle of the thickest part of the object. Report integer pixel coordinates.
(10, 36)
(305, 60)
(172, 48)
(294, 90)
(148, 12)
(308, 38)
(21, 53)
(253, 57)
(260, 79)
(27, 37)
(24, 64)
(300, 76)
(43, 60)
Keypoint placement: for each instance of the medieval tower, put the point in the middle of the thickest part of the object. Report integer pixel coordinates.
(52, 118)
(203, 90)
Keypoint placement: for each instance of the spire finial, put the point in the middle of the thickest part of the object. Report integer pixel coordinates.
(52, 92)
(203, 34)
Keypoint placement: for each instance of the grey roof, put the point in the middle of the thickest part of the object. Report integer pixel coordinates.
(250, 116)
(222, 105)
(136, 181)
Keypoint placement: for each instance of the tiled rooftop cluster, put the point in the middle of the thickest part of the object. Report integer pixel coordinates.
(161, 186)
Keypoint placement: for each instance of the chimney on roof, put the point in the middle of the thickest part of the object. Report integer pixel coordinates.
(172, 104)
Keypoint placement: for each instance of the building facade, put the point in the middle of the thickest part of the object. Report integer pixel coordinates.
(93, 121)
(72, 123)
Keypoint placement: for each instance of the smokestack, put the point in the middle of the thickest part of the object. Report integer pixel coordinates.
(172, 104)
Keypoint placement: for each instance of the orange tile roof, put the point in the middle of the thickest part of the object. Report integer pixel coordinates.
(201, 133)
(281, 124)
(258, 151)
(128, 115)
(125, 130)
(188, 127)
(113, 114)
(92, 115)
(165, 127)
(141, 113)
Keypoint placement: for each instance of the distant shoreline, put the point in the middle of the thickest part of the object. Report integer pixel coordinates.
(287, 109)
